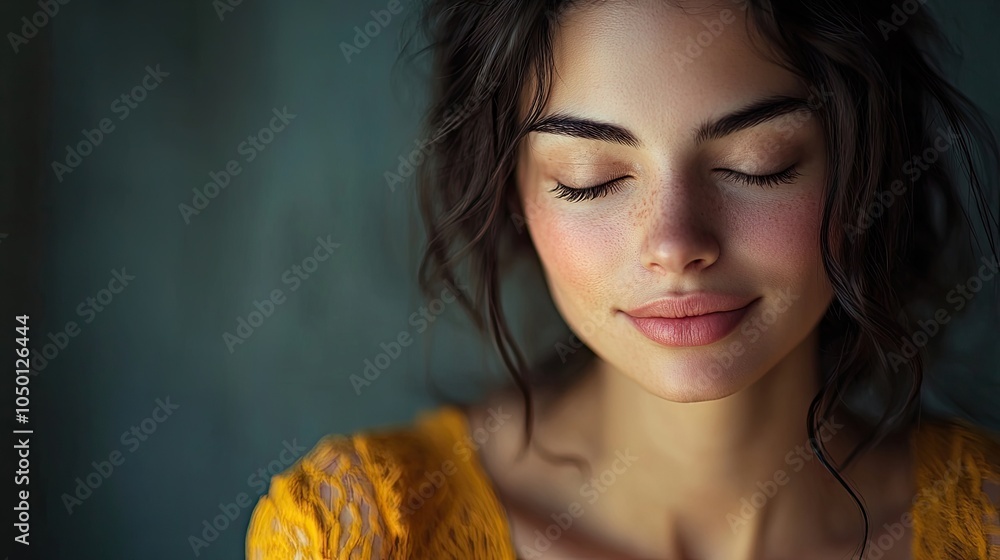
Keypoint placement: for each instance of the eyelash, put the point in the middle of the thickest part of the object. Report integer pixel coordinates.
(589, 193)
(764, 181)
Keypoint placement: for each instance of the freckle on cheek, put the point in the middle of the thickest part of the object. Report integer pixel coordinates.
(785, 236)
(575, 255)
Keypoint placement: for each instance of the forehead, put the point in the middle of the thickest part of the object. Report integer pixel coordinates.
(659, 67)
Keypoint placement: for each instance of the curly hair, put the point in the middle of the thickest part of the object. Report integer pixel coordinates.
(890, 231)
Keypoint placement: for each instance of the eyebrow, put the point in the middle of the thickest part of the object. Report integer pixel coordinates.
(756, 113)
(565, 124)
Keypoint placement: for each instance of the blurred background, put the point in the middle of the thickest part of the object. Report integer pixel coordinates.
(197, 214)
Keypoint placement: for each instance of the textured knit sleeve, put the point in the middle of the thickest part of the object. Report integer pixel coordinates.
(416, 493)
(323, 508)
(955, 512)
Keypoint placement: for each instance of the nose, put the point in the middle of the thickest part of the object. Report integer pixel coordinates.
(679, 236)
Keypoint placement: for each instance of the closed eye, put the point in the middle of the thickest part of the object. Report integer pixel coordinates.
(588, 193)
(772, 180)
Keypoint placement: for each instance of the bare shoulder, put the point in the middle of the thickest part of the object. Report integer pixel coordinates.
(496, 424)
(497, 433)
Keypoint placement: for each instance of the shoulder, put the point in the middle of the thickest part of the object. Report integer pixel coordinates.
(378, 494)
(315, 507)
(958, 490)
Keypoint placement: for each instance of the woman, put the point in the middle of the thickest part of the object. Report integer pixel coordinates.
(739, 209)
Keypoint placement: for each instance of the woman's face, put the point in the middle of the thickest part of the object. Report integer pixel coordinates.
(715, 173)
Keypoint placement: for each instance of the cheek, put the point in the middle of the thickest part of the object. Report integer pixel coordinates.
(579, 251)
(781, 238)
(578, 254)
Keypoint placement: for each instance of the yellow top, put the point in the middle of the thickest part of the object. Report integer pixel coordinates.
(420, 493)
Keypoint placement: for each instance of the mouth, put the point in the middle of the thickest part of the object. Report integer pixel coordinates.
(692, 321)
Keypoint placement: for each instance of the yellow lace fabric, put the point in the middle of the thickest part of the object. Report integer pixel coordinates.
(958, 480)
(419, 493)
(416, 493)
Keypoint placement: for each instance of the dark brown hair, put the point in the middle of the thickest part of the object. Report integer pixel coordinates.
(888, 101)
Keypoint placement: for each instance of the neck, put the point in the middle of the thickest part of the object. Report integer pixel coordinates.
(738, 466)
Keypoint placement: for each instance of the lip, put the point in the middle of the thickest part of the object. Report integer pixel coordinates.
(690, 320)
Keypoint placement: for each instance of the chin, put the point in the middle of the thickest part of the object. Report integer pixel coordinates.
(689, 383)
(696, 374)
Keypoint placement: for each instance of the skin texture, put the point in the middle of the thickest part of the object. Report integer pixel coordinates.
(677, 227)
(677, 224)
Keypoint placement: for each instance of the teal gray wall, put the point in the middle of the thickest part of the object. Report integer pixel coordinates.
(322, 176)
